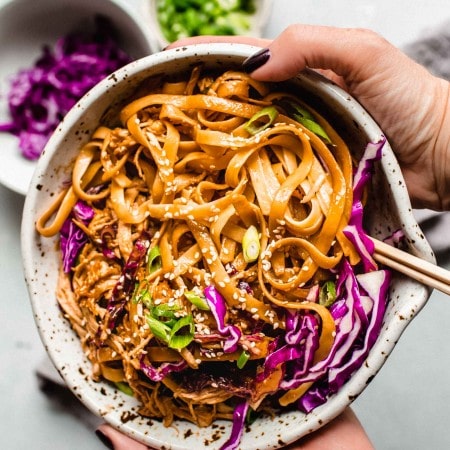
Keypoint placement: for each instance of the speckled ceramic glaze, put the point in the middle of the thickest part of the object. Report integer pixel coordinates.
(390, 210)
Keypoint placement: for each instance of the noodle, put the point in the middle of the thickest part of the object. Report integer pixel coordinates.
(175, 190)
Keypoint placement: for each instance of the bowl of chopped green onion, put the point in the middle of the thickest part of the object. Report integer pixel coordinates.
(175, 19)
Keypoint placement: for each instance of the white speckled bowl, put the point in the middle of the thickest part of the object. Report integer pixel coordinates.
(390, 209)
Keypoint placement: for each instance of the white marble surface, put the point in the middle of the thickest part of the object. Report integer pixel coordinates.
(407, 405)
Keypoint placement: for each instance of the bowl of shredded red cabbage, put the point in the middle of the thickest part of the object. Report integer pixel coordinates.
(197, 250)
(56, 52)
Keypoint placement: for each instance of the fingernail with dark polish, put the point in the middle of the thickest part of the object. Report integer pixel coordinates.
(256, 61)
(105, 439)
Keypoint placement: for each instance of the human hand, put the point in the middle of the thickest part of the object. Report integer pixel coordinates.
(410, 105)
(344, 432)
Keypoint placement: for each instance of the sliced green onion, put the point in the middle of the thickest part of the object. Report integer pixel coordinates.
(165, 313)
(314, 127)
(147, 298)
(159, 329)
(304, 117)
(327, 294)
(124, 387)
(267, 116)
(251, 245)
(142, 295)
(135, 297)
(154, 259)
(243, 358)
(197, 300)
(251, 416)
(182, 332)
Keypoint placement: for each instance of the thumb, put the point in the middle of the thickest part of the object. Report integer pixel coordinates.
(114, 439)
(349, 53)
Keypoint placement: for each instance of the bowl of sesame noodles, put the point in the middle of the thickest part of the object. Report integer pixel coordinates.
(196, 246)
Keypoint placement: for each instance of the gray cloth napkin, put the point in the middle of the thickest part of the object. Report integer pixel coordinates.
(436, 228)
(432, 50)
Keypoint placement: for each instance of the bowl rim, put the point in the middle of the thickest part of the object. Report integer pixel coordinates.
(379, 352)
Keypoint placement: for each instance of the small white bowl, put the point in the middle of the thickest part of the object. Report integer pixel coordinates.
(25, 27)
(390, 210)
(258, 20)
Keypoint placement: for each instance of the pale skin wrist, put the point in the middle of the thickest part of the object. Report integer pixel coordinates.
(441, 152)
(422, 141)
(425, 156)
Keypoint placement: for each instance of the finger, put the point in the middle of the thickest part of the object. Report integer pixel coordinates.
(345, 432)
(321, 47)
(116, 440)
(333, 77)
(258, 42)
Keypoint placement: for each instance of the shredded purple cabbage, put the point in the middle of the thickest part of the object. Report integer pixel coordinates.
(354, 231)
(395, 238)
(219, 309)
(41, 96)
(159, 373)
(72, 237)
(372, 153)
(301, 341)
(239, 415)
(339, 372)
(124, 288)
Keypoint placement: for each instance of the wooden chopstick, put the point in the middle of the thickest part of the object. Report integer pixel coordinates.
(412, 266)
